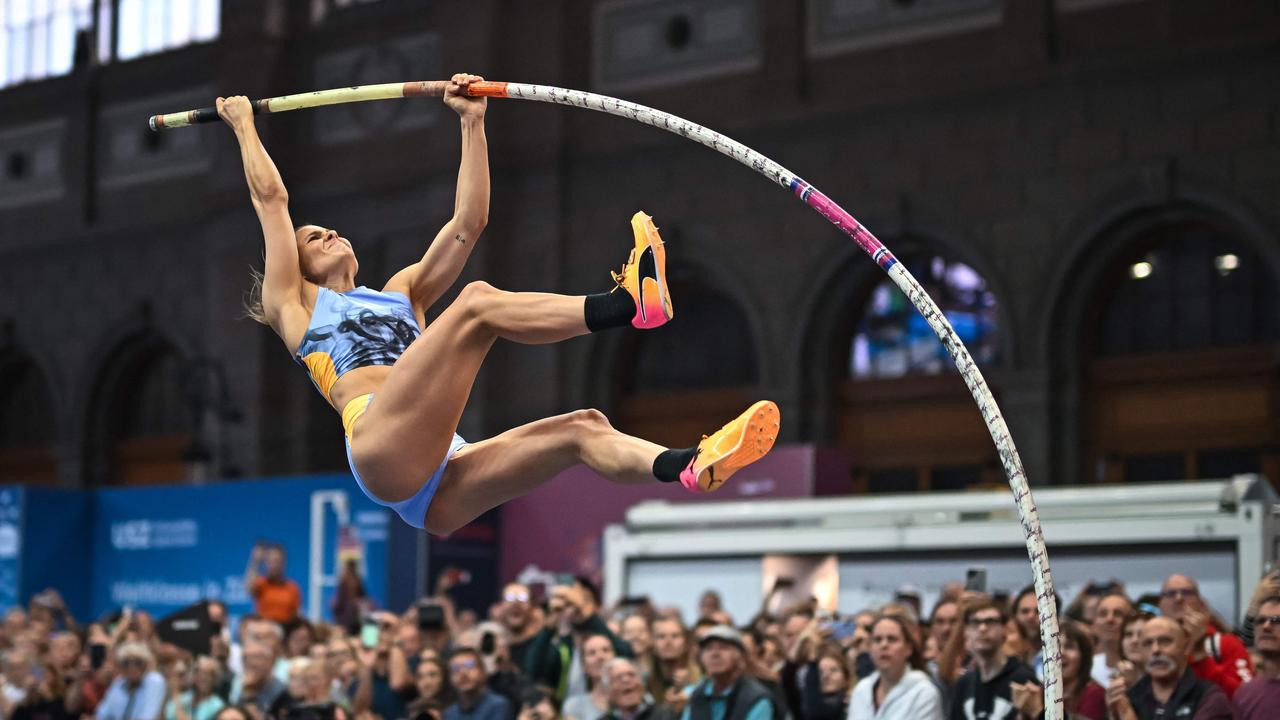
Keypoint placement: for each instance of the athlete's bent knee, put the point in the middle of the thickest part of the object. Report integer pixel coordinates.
(589, 418)
(476, 298)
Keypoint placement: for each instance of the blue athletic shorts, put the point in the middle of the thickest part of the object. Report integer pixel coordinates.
(414, 509)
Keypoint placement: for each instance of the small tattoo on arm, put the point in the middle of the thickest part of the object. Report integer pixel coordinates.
(460, 239)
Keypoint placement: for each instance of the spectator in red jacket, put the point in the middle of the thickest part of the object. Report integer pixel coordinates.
(1216, 655)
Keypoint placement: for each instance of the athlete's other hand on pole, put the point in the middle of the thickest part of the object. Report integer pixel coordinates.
(235, 110)
(455, 96)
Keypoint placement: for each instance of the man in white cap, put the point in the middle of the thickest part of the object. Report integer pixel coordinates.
(727, 692)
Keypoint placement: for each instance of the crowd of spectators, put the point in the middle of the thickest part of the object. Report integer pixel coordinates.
(529, 657)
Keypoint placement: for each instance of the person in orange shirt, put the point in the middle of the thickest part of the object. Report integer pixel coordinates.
(275, 596)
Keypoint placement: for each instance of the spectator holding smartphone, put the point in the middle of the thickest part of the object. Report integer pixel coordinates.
(384, 683)
(275, 597)
(92, 675)
(826, 684)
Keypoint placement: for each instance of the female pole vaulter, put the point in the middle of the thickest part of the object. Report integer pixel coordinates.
(401, 385)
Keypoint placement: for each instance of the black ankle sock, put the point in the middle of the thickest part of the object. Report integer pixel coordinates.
(669, 463)
(607, 310)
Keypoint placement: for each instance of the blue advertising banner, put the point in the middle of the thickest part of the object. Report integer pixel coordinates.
(55, 545)
(161, 549)
(10, 545)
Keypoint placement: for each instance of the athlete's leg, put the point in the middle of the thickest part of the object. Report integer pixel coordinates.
(491, 472)
(488, 473)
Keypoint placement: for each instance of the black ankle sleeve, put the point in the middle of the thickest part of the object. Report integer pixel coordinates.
(607, 310)
(669, 463)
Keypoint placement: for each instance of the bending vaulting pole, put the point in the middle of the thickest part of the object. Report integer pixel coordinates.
(811, 196)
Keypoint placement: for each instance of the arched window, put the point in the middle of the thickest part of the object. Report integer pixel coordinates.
(27, 425)
(901, 410)
(892, 338)
(690, 377)
(1181, 378)
(141, 424)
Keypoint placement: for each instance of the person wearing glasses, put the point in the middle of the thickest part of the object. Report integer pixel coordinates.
(998, 687)
(138, 693)
(517, 615)
(1216, 655)
(1259, 698)
(475, 702)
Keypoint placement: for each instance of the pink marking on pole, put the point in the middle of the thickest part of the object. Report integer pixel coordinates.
(827, 208)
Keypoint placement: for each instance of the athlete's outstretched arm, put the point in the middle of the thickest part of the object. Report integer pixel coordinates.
(426, 280)
(282, 281)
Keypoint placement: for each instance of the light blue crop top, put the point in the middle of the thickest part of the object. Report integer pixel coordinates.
(355, 329)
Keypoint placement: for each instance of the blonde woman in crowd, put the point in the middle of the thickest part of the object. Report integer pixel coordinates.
(676, 667)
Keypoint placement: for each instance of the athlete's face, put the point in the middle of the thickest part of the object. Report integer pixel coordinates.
(322, 252)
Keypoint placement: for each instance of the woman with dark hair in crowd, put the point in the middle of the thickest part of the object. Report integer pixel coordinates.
(827, 681)
(299, 636)
(350, 601)
(898, 689)
(431, 681)
(1133, 656)
(593, 704)
(1083, 697)
(93, 673)
(676, 667)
